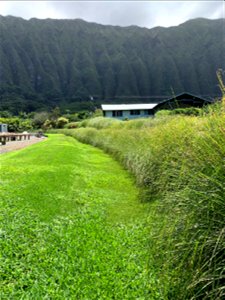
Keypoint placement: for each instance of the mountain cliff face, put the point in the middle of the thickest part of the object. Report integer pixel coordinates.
(44, 63)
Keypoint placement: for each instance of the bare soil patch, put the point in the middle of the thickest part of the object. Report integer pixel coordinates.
(16, 145)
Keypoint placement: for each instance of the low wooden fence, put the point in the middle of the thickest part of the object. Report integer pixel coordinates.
(7, 137)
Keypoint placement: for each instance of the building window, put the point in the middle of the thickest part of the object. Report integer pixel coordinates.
(117, 113)
(135, 112)
(149, 112)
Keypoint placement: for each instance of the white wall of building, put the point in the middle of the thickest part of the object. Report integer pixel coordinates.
(127, 115)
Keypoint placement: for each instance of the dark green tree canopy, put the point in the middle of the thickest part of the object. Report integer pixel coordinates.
(65, 63)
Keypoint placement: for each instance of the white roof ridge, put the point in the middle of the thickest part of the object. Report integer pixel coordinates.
(128, 106)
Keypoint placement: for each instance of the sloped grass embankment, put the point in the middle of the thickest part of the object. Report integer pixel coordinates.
(179, 163)
(71, 226)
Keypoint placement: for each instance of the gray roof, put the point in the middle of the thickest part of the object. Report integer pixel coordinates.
(186, 94)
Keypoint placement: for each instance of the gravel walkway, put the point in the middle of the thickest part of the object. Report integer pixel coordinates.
(16, 145)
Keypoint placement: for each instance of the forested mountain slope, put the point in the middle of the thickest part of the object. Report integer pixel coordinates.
(44, 63)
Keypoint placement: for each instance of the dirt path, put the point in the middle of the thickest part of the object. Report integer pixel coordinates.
(16, 145)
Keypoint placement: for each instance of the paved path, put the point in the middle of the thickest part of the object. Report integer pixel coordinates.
(16, 145)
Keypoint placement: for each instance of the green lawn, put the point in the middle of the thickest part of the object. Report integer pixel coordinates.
(72, 226)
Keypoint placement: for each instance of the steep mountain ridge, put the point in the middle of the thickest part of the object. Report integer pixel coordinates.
(50, 62)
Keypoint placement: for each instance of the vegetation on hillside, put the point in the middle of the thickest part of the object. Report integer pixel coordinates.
(67, 63)
(178, 162)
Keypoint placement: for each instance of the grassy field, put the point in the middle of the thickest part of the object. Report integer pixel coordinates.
(178, 163)
(72, 226)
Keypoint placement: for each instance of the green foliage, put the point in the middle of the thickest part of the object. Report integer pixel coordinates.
(16, 124)
(72, 228)
(48, 124)
(99, 122)
(78, 116)
(178, 161)
(58, 63)
(61, 122)
(72, 125)
(72, 117)
(189, 111)
(103, 123)
(82, 115)
(163, 113)
(55, 113)
(40, 118)
(97, 113)
(5, 114)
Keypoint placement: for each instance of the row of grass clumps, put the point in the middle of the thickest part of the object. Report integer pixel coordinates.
(178, 161)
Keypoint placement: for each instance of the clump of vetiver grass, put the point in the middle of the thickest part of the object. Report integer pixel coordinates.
(99, 122)
(179, 164)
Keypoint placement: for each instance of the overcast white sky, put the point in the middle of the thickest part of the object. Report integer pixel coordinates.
(124, 13)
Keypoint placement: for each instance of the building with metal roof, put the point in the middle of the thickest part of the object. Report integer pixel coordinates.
(133, 111)
(128, 111)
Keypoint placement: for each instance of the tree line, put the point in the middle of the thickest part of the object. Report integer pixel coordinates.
(77, 65)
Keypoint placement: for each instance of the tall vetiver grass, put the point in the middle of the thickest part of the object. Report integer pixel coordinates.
(179, 163)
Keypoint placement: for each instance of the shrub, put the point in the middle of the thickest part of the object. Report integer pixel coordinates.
(97, 113)
(189, 111)
(16, 124)
(40, 118)
(163, 113)
(99, 122)
(72, 125)
(61, 122)
(47, 125)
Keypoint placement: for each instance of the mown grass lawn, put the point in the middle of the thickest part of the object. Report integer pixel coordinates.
(72, 226)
